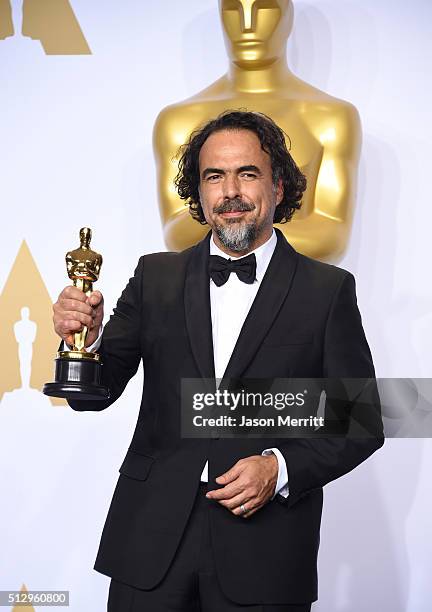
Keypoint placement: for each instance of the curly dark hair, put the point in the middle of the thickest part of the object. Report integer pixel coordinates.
(272, 139)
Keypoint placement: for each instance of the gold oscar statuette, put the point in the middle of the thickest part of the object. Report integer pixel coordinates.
(78, 372)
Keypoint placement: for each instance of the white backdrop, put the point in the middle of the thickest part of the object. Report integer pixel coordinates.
(76, 150)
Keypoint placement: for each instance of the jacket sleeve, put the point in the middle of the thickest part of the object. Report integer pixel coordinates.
(120, 349)
(312, 463)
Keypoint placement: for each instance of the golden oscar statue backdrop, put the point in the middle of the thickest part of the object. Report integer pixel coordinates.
(324, 132)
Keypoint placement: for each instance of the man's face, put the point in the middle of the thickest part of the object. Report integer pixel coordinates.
(236, 189)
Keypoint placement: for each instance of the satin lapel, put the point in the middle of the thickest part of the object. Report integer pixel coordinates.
(197, 308)
(274, 289)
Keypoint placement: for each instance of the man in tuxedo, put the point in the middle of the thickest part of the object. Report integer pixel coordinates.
(224, 524)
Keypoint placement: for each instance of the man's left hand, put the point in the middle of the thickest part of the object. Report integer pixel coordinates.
(250, 482)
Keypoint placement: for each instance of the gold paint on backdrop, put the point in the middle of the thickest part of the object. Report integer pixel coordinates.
(53, 22)
(324, 131)
(25, 288)
(19, 608)
(6, 24)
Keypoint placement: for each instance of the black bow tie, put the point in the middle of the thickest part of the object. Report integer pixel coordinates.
(220, 269)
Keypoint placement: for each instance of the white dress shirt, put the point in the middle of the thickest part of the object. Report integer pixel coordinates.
(230, 304)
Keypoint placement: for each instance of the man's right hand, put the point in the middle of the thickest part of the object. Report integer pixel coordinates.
(74, 310)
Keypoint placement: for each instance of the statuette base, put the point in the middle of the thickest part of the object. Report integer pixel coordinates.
(77, 377)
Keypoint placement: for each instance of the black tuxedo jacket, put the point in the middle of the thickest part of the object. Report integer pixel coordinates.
(304, 322)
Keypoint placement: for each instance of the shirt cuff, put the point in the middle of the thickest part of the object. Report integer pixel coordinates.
(93, 347)
(282, 487)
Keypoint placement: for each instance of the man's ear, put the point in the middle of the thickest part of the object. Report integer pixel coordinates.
(279, 192)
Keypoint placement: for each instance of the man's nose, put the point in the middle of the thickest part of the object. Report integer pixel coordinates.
(248, 15)
(231, 187)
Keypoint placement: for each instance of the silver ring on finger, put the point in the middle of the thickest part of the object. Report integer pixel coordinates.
(243, 508)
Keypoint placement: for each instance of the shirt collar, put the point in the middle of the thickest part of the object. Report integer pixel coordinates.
(263, 254)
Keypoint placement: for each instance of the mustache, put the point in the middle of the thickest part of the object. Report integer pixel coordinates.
(234, 205)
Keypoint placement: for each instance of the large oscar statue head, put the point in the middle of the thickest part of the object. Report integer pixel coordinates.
(256, 31)
(258, 78)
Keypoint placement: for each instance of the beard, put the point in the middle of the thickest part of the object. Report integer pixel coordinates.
(236, 234)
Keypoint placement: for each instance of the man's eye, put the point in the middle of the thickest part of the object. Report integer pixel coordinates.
(248, 175)
(213, 177)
